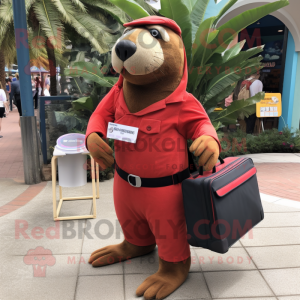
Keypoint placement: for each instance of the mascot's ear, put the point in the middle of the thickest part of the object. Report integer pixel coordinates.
(127, 29)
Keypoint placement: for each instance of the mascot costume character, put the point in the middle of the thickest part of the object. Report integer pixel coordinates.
(150, 97)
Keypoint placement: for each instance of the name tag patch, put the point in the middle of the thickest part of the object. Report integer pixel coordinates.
(122, 133)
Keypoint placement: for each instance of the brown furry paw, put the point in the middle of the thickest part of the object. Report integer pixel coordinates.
(165, 281)
(117, 253)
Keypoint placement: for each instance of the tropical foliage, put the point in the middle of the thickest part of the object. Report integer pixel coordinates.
(269, 141)
(214, 69)
(47, 23)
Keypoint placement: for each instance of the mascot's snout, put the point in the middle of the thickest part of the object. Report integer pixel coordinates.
(125, 49)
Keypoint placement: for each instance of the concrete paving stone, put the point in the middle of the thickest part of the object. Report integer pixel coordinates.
(228, 284)
(93, 242)
(258, 298)
(275, 257)
(272, 237)
(281, 287)
(76, 208)
(106, 197)
(237, 244)
(148, 264)
(193, 288)
(106, 210)
(86, 269)
(289, 203)
(29, 266)
(268, 198)
(38, 288)
(13, 246)
(108, 287)
(278, 206)
(234, 259)
(106, 186)
(274, 158)
(290, 219)
(297, 297)
(10, 190)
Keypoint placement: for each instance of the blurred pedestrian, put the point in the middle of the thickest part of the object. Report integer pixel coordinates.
(15, 93)
(38, 89)
(255, 87)
(46, 90)
(3, 105)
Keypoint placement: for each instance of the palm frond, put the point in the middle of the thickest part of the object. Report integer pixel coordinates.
(49, 19)
(99, 35)
(8, 46)
(62, 9)
(117, 13)
(79, 4)
(6, 11)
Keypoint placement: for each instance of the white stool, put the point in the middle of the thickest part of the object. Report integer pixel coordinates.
(95, 190)
(68, 152)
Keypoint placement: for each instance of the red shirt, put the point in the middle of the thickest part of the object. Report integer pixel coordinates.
(164, 128)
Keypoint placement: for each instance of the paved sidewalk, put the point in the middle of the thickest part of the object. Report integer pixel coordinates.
(11, 157)
(41, 259)
(278, 174)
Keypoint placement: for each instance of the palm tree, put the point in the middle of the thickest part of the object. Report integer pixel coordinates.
(47, 20)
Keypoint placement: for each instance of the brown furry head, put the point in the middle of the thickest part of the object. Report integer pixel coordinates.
(147, 54)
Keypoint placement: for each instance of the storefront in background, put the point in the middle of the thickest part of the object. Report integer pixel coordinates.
(272, 33)
(280, 33)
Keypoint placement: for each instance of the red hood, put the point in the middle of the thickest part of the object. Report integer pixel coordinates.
(155, 20)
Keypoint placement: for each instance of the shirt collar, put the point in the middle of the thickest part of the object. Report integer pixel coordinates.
(177, 96)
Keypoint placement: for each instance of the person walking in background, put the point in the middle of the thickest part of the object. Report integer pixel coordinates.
(3, 105)
(47, 80)
(15, 92)
(7, 91)
(8, 88)
(38, 88)
(255, 87)
(46, 90)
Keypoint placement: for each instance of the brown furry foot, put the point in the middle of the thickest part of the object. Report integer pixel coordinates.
(117, 253)
(165, 281)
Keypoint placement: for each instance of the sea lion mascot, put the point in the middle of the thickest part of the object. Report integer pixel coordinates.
(151, 95)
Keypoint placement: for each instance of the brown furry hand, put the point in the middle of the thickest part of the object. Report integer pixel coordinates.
(208, 149)
(100, 151)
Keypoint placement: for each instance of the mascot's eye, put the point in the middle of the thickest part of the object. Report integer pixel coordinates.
(155, 33)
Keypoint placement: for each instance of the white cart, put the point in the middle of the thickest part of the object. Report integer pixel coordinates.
(70, 156)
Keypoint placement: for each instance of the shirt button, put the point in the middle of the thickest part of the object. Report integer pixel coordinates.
(148, 128)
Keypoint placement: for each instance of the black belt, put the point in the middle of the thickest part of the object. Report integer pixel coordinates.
(137, 181)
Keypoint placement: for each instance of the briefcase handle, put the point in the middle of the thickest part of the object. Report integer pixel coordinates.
(201, 171)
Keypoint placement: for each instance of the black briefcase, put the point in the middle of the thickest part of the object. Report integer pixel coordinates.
(222, 206)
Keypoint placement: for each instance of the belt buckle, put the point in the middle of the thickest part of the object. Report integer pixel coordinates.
(138, 180)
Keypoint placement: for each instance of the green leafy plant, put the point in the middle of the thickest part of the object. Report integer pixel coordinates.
(214, 69)
(269, 141)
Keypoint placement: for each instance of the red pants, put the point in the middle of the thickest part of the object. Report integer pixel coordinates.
(153, 215)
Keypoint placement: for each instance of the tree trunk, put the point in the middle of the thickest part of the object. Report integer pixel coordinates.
(63, 79)
(2, 70)
(52, 66)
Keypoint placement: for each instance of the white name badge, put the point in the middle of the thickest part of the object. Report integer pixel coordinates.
(122, 132)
